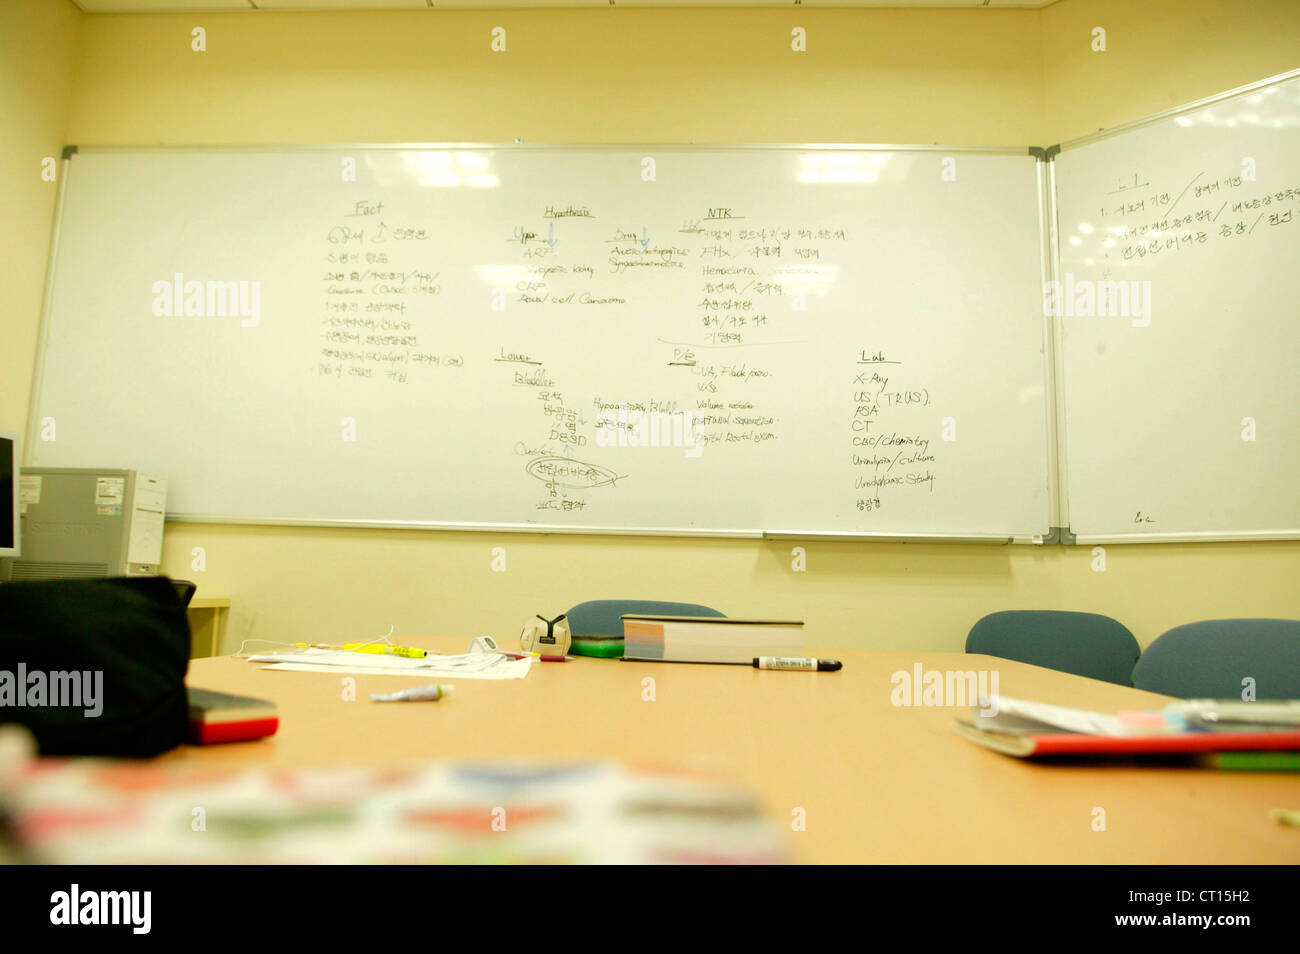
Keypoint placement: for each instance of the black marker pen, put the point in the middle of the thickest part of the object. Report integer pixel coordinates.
(796, 664)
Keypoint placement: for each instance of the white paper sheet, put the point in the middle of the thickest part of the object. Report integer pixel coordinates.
(464, 666)
(1023, 716)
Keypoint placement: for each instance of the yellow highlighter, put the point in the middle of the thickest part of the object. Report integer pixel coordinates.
(383, 649)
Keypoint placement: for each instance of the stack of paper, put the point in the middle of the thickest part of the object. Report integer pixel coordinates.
(1025, 729)
(465, 666)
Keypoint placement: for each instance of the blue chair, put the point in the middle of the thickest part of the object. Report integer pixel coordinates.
(597, 625)
(1084, 644)
(1208, 660)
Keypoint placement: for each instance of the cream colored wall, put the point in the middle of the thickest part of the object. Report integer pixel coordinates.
(605, 75)
(1159, 54)
(962, 77)
(38, 47)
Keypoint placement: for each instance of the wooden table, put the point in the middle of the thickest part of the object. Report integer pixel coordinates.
(876, 782)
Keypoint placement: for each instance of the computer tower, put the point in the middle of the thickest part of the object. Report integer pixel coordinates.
(79, 522)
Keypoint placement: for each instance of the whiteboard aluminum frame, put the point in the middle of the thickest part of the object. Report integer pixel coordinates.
(995, 539)
(1056, 344)
(577, 146)
(1177, 111)
(1206, 536)
(1068, 536)
(449, 526)
(47, 302)
(1054, 414)
(756, 534)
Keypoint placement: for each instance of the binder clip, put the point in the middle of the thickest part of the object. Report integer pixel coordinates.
(547, 636)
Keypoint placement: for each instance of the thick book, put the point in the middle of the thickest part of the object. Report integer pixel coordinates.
(709, 639)
(221, 717)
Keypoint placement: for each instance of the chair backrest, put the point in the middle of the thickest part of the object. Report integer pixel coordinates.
(605, 617)
(1210, 660)
(185, 590)
(1085, 644)
(597, 625)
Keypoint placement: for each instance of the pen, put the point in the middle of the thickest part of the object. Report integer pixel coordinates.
(797, 664)
(430, 693)
(1210, 711)
(554, 658)
(410, 652)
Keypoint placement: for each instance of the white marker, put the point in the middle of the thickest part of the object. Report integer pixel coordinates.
(796, 664)
(430, 693)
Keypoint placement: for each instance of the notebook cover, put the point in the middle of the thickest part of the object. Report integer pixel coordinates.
(599, 648)
(245, 731)
(217, 717)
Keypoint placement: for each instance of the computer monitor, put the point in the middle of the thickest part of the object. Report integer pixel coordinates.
(8, 494)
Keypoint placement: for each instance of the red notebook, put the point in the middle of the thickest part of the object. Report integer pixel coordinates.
(221, 717)
(1073, 743)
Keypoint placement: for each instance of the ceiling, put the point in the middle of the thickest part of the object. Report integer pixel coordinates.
(181, 6)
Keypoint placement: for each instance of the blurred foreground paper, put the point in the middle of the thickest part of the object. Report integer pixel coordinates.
(93, 811)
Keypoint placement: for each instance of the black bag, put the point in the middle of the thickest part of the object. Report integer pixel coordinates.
(71, 647)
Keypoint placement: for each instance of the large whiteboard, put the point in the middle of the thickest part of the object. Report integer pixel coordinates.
(835, 339)
(1183, 422)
